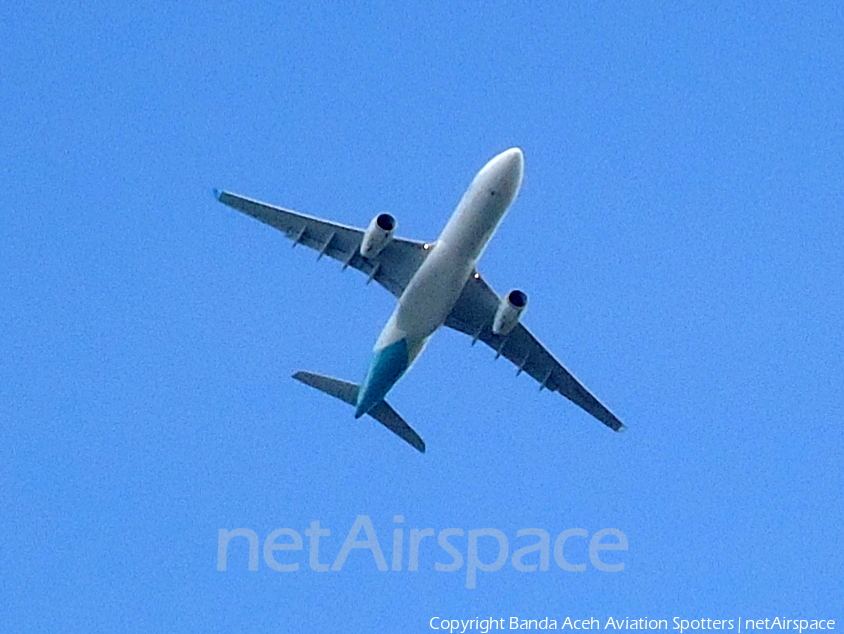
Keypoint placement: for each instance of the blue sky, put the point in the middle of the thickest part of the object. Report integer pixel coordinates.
(679, 233)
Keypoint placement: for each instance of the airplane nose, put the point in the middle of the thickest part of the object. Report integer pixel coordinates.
(511, 167)
(515, 161)
(514, 157)
(503, 173)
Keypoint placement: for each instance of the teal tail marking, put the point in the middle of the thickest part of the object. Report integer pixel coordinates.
(388, 365)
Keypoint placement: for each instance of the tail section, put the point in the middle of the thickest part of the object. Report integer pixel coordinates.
(348, 393)
(345, 391)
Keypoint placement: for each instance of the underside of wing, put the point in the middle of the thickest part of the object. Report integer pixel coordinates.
(473, 314)
(392, 268)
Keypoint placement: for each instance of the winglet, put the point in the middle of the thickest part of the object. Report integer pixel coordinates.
(217, 193)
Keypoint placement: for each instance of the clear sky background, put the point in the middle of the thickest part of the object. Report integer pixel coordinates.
(679, 233)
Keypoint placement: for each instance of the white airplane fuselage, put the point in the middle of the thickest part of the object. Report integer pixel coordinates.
(432, 292)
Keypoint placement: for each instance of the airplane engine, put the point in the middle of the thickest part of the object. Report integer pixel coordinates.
(377, 235)
(510, 309)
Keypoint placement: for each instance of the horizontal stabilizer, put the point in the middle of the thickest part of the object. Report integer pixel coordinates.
(348, 393)
(345, 391)
(388, 417)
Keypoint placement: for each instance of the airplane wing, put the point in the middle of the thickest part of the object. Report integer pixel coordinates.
(392, 268)
(473, 314)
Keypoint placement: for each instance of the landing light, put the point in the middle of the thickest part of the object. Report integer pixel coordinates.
(477, 276)
(426, 246)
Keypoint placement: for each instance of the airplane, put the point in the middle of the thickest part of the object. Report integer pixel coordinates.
(436, 283)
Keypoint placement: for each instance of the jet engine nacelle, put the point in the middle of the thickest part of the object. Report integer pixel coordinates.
(377, 235)
(510, 309)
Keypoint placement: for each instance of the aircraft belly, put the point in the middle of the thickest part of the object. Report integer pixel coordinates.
(422, 308)
(474, 222)
(429, 298)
